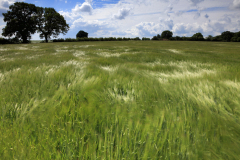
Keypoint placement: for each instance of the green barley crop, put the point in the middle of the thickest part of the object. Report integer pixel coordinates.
(120, 100)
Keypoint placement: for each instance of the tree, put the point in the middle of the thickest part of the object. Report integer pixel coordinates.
(166, 34)
(158, 36)
(197, 37)
(50, 23)
(154, 38)
(20, 21)
(237, 34)
(217, 38)
(209, 38)
(227, 36)
(82, 34)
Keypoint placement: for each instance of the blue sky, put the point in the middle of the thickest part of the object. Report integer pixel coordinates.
(141, 18)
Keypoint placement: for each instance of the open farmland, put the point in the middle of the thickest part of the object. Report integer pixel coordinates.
(120, 100)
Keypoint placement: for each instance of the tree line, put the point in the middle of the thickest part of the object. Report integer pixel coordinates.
(225, 36)
(23, 19)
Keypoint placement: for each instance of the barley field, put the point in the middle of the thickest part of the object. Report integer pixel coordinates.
(147, 100)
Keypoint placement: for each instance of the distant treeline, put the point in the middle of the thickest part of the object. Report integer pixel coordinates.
(9, 41)
(226, 36)
(96, 39)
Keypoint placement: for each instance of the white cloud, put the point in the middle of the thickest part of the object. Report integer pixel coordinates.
(122, 13)
(69, 16)
(236, 4)
(4, 5)
(197, 15)
(89, 1)
(195, 2)
(186, 29)
(146, 29)
(85, 7)
(91, 25)
(65, 1)
(166, 23)
(1, 27)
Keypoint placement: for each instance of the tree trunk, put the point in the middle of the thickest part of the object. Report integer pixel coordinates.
(24, 38)
(46, 40)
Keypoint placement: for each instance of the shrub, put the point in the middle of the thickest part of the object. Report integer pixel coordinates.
(217, 38)
(80, 39)
(86, 39)
(136, 39)
(119, 39)
(4, 41)
(58, 40)
(145, 39)
(234, 39)
(70, 40)
(178, 38)
(154, 38)
(10, 41)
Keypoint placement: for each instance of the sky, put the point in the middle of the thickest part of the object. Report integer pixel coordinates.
(141, 18)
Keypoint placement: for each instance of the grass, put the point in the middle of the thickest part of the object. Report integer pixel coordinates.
(120, 100)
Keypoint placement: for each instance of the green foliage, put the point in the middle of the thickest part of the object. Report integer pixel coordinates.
(166, 34)
(197, 37)
(95, 39)
(58, 40)
(4, 41)
(145, 39)
(50, 23)
(209, 38)
(70, 40)
(227, 36)
(217, 38)
(25, 19)
(119, 39)
(233, 39)
(155, 38)
(82, 34)
(136, 38)
(20, 21)
(178, 38)
(126, 39)
(9, 41)
(237, 34)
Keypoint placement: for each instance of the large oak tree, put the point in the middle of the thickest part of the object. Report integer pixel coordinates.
(50, 23)
(20, 21)
(166, 34)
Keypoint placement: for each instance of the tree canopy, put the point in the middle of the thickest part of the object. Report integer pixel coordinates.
(25, 19)
(81, 34)
(20, 21)
(166, 34)
(50, 23)
(197, 36)
(227, 36)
